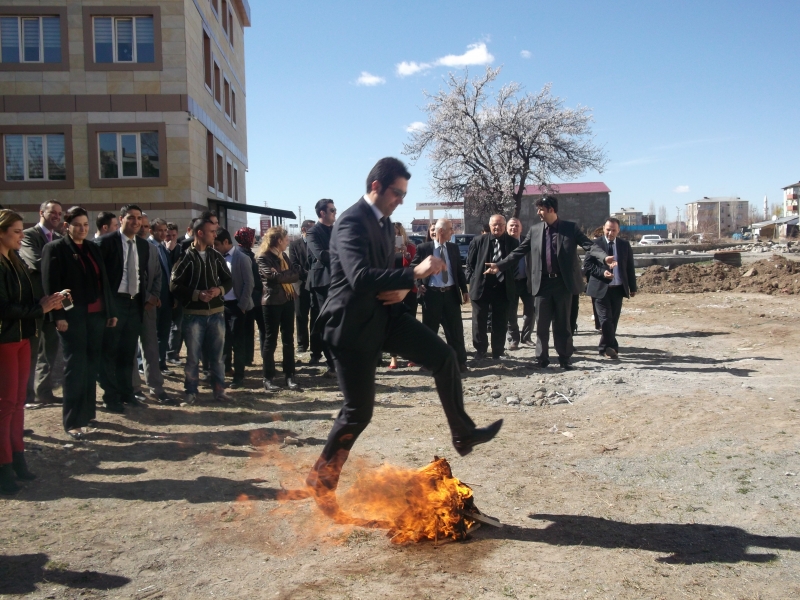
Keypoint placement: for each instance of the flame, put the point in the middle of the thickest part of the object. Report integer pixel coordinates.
(413, 505)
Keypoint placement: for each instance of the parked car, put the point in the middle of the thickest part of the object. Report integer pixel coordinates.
(462, 240)
(651, 240)
(416, 239)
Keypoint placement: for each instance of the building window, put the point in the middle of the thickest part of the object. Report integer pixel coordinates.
(124, 40)
(207, 68)
(217, 84)
(127, 155)
(235, 184)
(229, 177)
(220, 173)
(210, 154)
(230, 26)
(35, 157)
(227, 92)
(215, 6)
(233, 107)
(224, 16)
(30, 39)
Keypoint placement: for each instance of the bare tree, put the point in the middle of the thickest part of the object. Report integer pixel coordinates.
(652, 209)
(662, 214)
(485, 148)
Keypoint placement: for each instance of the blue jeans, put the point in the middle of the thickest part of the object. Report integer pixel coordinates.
(204, 333)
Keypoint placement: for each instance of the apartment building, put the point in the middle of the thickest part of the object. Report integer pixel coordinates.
(791, 199)
(105, 103)
(717, 216)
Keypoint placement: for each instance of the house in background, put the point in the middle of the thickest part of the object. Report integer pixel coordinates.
(109, 103)
(717, 216)
(791, 196)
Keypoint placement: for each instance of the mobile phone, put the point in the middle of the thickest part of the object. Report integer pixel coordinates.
(66, 303)
(398, 241)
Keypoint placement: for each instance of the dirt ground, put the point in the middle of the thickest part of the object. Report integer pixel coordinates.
(672, 473)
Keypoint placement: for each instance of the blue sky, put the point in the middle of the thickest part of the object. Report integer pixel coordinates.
(690, 99)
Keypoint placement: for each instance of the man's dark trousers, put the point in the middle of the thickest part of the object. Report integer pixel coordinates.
(494, 299)
(443, 308)
(44, 353)
(520, 293)
(608, 310)
(302, 308)
(119, 351)
(320, 295)
(553, 305)
(175, 333)
(405, 337)
(163, 325)
(235, 321)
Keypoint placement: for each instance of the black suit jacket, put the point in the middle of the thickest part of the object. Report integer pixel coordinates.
(33, 243)
(569, 238)
(298, 256)
(425, 250)
(483, 252)
(594, 268)
(362, 266)
(62, 268)
(318, 240)
(111, 251)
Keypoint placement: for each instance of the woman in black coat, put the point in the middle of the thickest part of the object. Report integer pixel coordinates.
(75, 264)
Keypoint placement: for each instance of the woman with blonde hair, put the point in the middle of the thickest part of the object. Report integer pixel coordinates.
(19, 310)
(405, 252)
(278, 275)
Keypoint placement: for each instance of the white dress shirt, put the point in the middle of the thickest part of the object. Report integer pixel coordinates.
(440, 251)
(375, 210)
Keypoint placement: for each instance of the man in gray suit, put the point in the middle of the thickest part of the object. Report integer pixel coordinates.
(554, 276)
(238, 301)
(43, 354)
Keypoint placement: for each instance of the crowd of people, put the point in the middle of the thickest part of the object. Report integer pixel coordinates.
(122, 306)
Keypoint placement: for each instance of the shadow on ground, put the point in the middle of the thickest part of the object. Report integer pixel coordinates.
(20, 574)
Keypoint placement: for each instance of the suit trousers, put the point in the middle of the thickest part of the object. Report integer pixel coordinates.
(119, 352)
(175, 333)
(494, 299)
(302, 308)
(444, 308)
(255, 316)
(278, 320)
(520, 293)
(163, 326)
(405, 337)
(573, 313)
(15, 358)
(608, 310)
(320, 295)
(83, 351)
(235, 339)
(44, 353)
(553, 305)
(148, 350)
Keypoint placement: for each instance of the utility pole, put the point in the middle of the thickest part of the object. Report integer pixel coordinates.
(678, 222)
(299, 215)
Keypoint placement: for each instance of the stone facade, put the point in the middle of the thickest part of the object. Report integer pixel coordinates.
(84, 98)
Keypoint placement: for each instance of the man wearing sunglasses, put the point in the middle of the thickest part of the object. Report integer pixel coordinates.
(363, 316)
(318, 240)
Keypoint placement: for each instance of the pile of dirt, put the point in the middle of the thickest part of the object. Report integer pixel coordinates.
(774, 275)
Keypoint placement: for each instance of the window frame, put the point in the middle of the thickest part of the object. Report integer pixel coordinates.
(91, 12)
(38, 184)
(211, 163)
(115, 39)
(95, 181)
(215, 7)
(229, 178)
(208, 63)
(233, 107)
(217, 75)
(230, 25)
(226, 100)
(235, 183)
(219, 168)
(22, 12)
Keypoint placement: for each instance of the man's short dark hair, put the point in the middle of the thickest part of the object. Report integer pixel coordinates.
(547, 202)
(171, 226)
(614, 220)
(199, 223)
(74, 212)
(306, 225)
(485, 228)
(386, 171)
(104, 220)
(224, 236)
(128, 208)
(207, 214)
(158, 222)
(322, 206)
(43, 205)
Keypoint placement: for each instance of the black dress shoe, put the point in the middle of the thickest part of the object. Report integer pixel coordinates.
(540, 364)
(463, 368)
(480, 435)
(567, 366)
(115, 407)
(136, 400)
(314, 360)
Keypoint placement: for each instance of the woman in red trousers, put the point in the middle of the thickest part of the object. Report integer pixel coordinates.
(18, 313)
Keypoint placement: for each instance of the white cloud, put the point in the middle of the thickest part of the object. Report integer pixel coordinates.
(681, 189)
(525, 54)
(369, 80)
(416, 126)
(644, 160)
(476, 54)
(406, 68)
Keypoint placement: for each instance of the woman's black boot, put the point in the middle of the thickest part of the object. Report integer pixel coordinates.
(8, 483)
(21, 467)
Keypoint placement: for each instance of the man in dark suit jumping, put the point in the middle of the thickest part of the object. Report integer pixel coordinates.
(363, 316)
(554, 276)
(609, 284)
(442, 294)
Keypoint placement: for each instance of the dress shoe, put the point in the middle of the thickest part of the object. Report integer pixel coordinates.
(480, 435)
(314, 360)
(301, 349)
(48, 399)
(222, 397)
(567, 366)
(236, 384)
(138, 400)
(463, 368)
(8, 483)
(292, 384)
(611, 353)
(190, 399)
(174, 362)
(269, 386)
(115, 407)
(20, 467)
(329, 374)
(480, 355)
(501, 357)
(513, 345)
(540, 364)
(164, 400)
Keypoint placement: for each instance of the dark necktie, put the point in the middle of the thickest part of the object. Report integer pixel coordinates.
(443, 256)
(498, 255)
(130, 267)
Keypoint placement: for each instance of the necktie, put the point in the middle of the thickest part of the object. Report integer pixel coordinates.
(49, 235)
(383, 221)
(130, 267)
(443, 256)
(496, 259)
